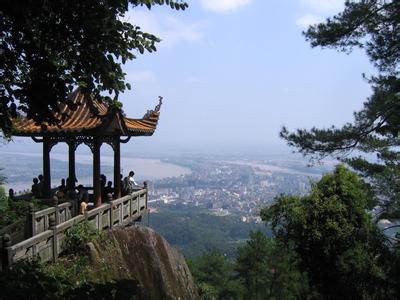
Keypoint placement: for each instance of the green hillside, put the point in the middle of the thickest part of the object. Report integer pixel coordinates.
(195, 231)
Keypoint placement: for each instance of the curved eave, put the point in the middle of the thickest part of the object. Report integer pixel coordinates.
(87, 117)
(91, 118)
(145, 126)
(129, 127)
(28, 128)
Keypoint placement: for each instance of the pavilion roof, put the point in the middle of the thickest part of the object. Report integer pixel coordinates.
(91, 117)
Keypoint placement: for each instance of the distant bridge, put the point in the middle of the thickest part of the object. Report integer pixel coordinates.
(43, 233)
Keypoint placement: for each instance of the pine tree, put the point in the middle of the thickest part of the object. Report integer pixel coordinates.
(373, 25)
(213, 274)
(268, 271)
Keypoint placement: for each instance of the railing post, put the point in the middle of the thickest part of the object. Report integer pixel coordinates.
(121, 213)
(99, 222)
(111, 214)
(147, 193)
(74, 209)
(57, 217)
(31, 222)
(6, 254)
(109, 199)
(53, 227)
(130, 209)
(138, 203)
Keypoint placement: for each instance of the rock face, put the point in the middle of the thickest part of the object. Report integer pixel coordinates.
(141, 254)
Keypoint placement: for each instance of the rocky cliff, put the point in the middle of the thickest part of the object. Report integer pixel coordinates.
(141, 254)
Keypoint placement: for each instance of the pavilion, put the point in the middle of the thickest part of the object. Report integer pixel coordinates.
(93, 123)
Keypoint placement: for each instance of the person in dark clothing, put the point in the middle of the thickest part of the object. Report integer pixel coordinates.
(83, 195)
(11, 194)
(36, 189)
(41, 184)
(108, 190)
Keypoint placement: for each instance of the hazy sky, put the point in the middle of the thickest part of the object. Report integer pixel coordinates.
(232, 72)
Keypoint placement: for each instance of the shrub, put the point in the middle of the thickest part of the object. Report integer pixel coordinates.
(33, 280)
(27, 278)
(3, 200)
(79, 235)
(13, 211)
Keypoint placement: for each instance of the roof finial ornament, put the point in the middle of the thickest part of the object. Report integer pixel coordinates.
(157, 108)
(149, 113)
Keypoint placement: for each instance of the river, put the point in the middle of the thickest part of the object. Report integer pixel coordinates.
(144, 168)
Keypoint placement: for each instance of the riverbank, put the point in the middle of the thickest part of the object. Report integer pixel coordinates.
(20, 167)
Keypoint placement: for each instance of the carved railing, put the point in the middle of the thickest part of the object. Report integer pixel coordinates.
(17, 231)
(50, 227)
(37, 222)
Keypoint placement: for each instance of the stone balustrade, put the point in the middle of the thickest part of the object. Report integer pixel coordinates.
(49, 226)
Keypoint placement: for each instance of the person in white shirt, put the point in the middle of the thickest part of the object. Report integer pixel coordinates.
(130, 184)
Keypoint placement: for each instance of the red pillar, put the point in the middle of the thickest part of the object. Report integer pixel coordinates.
(71, 165)
(46, 169)
(117, 168)
(96, 173)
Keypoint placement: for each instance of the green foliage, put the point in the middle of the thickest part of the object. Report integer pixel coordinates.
(79, 235)
(2, 178)
(14, 210)
(72, 276)
(27, 278)
(213, 273)
(121, 289)
(74, 270)
(262, 270)
(268, 271)
(392, 267)
(195, 231)
(368, 24)
(31, 280)
(7, 215)
(75, 267)
(21, 207)
(50, 47)
(374, 26)
(3, 200)
(337, 244)
(253, 267)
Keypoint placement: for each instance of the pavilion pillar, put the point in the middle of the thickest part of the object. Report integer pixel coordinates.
(96, 173)
(71, 165)
(46, 169)
(117, 168)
